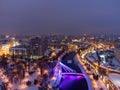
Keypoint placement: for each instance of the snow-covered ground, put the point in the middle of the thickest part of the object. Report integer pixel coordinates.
(22, 85)
(112, 63)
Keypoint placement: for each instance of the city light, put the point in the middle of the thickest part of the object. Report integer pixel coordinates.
(5, 48)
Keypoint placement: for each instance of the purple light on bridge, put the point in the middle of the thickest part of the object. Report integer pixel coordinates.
(69, 79)
(78, 77)
(72, 77)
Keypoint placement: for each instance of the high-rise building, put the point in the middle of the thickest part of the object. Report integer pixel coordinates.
(35, 47)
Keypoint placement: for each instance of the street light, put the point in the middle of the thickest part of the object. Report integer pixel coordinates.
(45, 72)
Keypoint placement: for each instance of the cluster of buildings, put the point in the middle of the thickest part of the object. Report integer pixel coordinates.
(35, 47)
(106, 65)
(6, 43)
(32, 47)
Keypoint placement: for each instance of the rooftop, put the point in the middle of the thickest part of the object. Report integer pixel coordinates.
(115, 79)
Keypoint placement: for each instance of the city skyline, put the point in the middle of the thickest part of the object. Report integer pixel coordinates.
(59, 17)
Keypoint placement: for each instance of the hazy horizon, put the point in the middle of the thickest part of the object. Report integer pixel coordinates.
(59, 17)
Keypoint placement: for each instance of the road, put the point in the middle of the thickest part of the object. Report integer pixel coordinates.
(96, 84)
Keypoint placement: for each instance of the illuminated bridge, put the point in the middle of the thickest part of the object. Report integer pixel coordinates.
(68, 76)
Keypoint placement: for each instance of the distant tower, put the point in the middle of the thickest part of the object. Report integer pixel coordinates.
(36, 47)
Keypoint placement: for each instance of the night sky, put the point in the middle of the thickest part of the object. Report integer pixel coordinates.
(59, 16)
